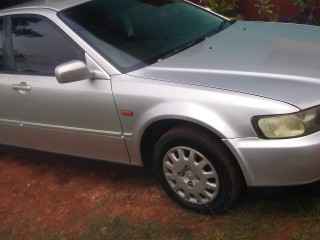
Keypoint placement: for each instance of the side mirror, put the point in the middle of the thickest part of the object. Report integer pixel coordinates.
(72, 71)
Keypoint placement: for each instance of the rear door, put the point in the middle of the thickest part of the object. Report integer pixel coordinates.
(77, 118)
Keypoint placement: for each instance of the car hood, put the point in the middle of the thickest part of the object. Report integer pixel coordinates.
(272, 60)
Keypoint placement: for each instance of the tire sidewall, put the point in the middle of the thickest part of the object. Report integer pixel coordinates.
(215, 157)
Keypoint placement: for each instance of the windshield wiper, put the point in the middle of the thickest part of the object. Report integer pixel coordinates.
(222, 26)
(184, 47)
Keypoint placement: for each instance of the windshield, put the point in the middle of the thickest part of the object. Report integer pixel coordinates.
(135, 33)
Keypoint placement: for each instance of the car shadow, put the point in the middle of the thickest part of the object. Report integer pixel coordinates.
(67, 167)
(286, 200)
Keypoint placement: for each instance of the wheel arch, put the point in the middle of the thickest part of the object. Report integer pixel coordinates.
(156, 129)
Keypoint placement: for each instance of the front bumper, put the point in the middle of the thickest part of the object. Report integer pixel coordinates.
(282, 162)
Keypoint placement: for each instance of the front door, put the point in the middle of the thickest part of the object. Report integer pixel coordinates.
(77, 118)
(11, 132)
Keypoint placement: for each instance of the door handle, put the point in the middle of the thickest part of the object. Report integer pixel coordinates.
(21, 86)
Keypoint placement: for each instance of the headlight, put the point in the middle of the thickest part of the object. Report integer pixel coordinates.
(288, 125)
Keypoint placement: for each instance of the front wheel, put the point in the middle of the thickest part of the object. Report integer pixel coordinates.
(196, 170)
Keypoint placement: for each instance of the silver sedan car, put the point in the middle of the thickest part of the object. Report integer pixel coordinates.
(211, 105)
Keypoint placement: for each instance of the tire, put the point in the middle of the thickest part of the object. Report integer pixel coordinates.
(196, 170)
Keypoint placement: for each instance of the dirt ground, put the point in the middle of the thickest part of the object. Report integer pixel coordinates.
(54, 193)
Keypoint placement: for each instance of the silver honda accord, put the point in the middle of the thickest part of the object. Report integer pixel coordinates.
(211, 105)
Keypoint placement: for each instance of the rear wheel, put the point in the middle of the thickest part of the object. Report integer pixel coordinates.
(196, 170)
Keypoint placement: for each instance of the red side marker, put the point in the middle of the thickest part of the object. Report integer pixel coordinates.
(127, 113)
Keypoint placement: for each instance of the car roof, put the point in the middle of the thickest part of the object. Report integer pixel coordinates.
(56, 5)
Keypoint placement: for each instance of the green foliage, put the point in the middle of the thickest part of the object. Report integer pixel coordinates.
(224, 7)
(302, 3)
(308, 13)
(266, 10)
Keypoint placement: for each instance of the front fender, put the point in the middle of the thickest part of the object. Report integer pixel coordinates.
(227, 114)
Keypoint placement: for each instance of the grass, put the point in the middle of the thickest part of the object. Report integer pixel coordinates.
(120, 228)
(7, 234)
(54, 236)
(285, 215)
(248, 224)
(254, 220)
(308, 211)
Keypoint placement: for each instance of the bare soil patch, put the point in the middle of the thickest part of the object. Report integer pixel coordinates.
(55, 194)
